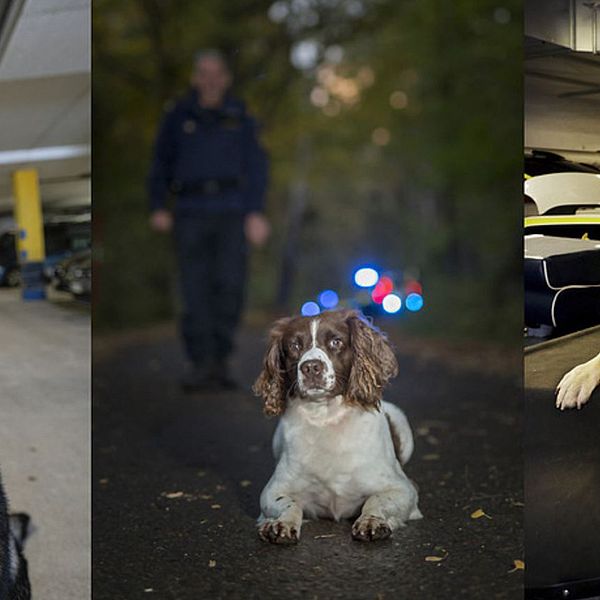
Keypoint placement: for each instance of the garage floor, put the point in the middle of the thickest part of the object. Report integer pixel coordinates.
(562, 470)
(177, 480)
(44, 437)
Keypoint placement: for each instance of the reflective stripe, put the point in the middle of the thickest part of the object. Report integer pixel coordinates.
(562, 220)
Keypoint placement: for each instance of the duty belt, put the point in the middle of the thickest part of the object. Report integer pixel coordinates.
(207, 186)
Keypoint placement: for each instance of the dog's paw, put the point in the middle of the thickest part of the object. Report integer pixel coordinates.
(369, 529)
(576, 387)
(279, 532)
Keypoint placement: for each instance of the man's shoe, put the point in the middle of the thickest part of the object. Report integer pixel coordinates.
(223, 379)
(197, 379)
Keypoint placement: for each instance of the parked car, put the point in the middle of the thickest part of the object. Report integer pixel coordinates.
(542, 162)
(563, 205)
(62, 239)
(74, 274)
(9, 266)
(562, 252)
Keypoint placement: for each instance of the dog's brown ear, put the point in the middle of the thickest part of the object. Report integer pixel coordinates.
(373, 362)
(271, 384)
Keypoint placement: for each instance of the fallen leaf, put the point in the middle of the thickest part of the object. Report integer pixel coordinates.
(245, 482)
(479, 513)
(148, 590)
(437, 558)
(103, 481)
(325, 535)
(431, 457)
(215, 506)
(172, 495)
(212, 563)
(519, 566)
(206, 496)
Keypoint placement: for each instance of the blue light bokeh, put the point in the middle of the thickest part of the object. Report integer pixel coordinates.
(328, 299)
(366, 277)
(310, 309)
(414, 302)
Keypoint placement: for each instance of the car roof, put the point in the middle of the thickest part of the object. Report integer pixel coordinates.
(555, 190)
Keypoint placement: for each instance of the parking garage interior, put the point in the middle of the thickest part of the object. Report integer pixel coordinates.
(45, 426)
(562, 295)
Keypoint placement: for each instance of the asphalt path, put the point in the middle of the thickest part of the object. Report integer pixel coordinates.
(177, 480)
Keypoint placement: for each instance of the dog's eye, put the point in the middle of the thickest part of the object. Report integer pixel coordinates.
(336, 343)
(295, 346)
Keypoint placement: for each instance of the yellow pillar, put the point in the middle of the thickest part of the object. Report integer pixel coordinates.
(28, 215)
(30, 232)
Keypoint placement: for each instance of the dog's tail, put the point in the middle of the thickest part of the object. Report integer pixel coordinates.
(401, 432)
(20, 588)
(20, 527)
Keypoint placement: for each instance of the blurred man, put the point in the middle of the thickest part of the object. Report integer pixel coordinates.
(208, 158)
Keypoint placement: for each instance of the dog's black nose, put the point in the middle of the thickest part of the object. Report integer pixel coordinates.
(311, 367)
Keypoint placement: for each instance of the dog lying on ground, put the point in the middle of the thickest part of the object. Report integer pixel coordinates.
(14, 579)
(576, 387)
(339, 448)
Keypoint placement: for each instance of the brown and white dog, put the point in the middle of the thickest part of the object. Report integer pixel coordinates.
(339, 448)
(576, 387)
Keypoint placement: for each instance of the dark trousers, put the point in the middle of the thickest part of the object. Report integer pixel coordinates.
(211, 252)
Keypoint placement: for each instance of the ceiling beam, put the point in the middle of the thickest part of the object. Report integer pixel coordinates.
(33, 155)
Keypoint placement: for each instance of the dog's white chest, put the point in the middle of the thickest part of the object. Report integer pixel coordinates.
(336, 464)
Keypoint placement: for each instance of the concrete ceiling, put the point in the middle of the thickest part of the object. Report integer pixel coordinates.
(562, 100)
(45, 86)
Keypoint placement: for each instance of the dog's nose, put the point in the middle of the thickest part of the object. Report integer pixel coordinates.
(311, 367)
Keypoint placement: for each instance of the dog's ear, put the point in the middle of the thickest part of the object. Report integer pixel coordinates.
(373, 362)
(272, 384)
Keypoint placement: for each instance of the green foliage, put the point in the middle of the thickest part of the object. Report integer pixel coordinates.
(441, 196)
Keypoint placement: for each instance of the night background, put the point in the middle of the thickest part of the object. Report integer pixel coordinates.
(395, 136)
(394, 133)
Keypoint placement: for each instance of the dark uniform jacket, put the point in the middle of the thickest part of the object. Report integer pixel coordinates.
(209, 159)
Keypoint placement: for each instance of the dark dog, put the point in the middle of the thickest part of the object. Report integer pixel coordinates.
(14, 579)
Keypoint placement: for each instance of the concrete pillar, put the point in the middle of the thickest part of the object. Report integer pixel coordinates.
(30, 233)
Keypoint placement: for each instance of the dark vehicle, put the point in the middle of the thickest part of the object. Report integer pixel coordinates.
(74, 274)
(542, 162)
(62, 239)
(10, 275)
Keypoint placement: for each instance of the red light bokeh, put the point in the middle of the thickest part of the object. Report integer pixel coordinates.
(384, 286)
(413, 287)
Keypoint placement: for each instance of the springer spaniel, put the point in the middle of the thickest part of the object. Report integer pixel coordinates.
(339, 448)
(576, 387)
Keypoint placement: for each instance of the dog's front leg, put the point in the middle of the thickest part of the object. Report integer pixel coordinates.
(280, 520)
(384, 512)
